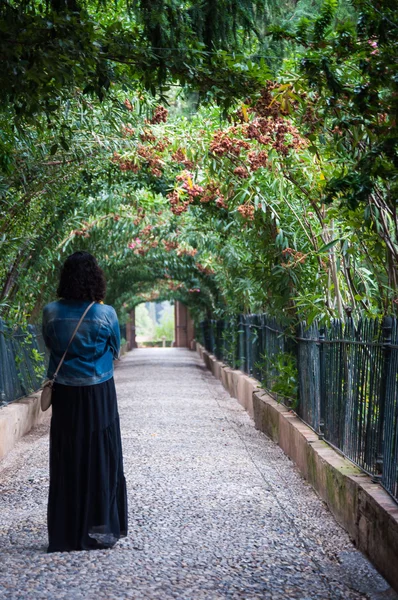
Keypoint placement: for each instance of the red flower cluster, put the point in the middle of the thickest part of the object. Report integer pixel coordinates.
(82, 232)
(192, 190)
(159, 116)
(207, 194)
(147, 136)
(273, 131)
(125, 164)
(241, 172)
(247, 211)
(188, 186)
(220, 202)
(257, 159)
(169, 245)
(141, 251)
(194, 290)
(127, 130)
(282, 128)
(179, 157)
(184, 176)
(266, 105)
(162, 144)
(260, 130)
(222, 143)
(146, 230)
(145, 152)
(211, 192)
(186, 252)
(297, 257)
(153, 161)
(128, 105)
(177, 205)
(204, 270)
(139, 248)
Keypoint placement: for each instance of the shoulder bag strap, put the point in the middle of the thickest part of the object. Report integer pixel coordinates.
(71, 339)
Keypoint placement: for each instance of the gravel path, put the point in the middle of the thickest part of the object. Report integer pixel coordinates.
(216, 509)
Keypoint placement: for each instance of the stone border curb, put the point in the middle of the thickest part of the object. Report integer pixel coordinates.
(362, 507)
(20, 416)
(17, 419)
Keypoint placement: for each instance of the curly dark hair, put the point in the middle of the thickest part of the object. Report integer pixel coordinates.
(81, 278)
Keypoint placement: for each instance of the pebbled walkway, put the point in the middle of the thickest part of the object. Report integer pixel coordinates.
(216, 509)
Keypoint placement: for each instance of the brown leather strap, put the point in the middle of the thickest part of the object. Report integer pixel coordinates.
(71, 339)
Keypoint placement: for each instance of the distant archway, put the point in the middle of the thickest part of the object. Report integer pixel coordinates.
(184, 330)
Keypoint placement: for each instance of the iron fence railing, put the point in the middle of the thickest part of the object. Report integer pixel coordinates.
(347, 377)
(22, 359)
(347, 380)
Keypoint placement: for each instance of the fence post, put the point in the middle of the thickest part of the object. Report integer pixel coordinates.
(220, 339)
(249, 344)
(386, 330)
(321, 338)
(3, 355)
(233, 327)
(212, 337)
(241, 343)
(202, 333)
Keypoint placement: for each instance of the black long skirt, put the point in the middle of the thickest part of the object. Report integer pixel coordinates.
(87, 504)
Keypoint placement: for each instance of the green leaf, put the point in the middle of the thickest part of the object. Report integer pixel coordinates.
(64, 144)
(329, 245)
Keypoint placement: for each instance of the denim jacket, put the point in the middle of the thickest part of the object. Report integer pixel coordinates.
(97, 342)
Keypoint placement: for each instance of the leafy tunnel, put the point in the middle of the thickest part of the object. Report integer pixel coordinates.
(237, 157)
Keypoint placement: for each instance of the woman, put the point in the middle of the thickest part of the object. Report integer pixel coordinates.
(87, 504)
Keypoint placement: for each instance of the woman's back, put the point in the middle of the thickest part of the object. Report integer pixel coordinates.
(96, 344)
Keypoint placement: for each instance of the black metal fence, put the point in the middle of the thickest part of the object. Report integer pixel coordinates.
(23, 356)
(22, 360)
(245, 343)
(347, 380)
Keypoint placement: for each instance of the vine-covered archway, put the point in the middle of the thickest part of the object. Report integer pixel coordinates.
(241, 164)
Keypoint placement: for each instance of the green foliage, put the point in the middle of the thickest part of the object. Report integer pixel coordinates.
(254, 193)
(143, 322)
(165, 328)
(285, 377)
(53, 50)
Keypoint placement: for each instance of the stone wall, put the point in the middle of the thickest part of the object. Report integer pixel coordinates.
(20, 416)
(361, 506)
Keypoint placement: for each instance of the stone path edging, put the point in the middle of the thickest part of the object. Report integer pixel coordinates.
(18, 418)
(362, 507)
